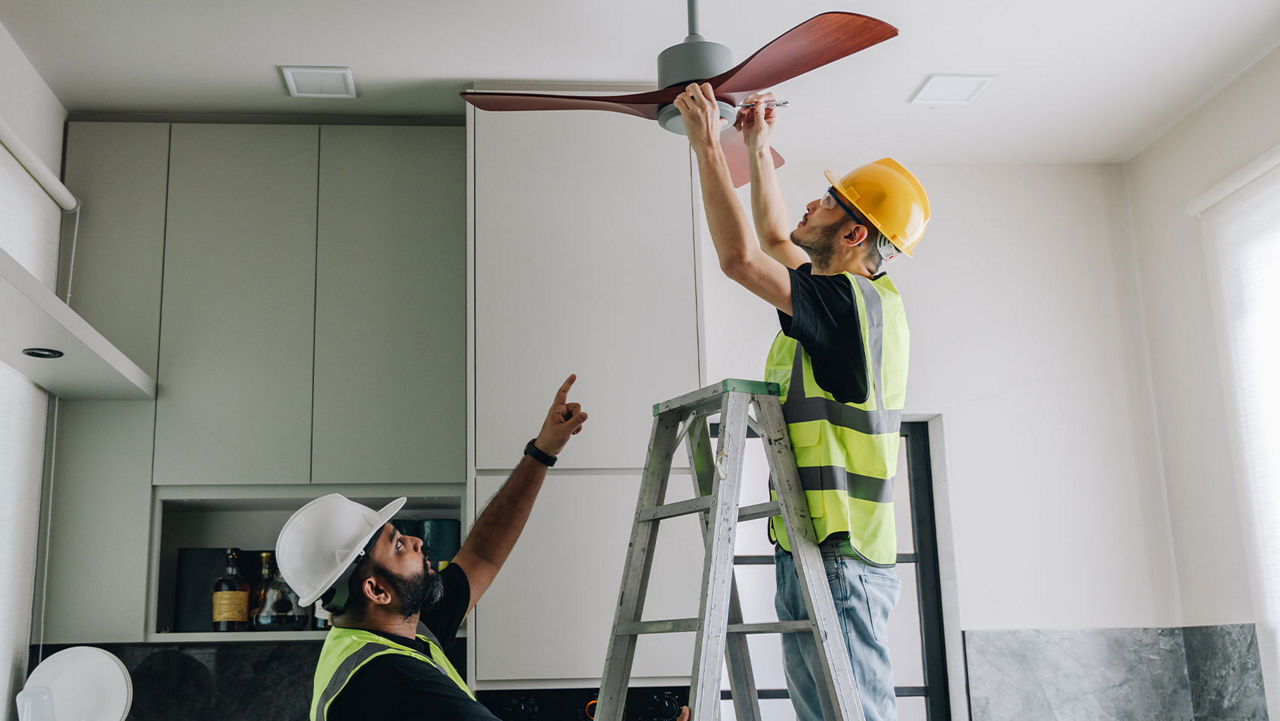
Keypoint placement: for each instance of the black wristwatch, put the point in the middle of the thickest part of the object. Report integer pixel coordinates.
(537, 454)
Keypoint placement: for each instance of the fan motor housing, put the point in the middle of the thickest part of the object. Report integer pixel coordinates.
(693, 60)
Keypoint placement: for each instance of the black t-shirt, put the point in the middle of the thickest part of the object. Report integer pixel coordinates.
(824, 320)
(394, 686)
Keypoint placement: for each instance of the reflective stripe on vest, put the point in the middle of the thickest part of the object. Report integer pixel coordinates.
(847, 453)
(346, 650)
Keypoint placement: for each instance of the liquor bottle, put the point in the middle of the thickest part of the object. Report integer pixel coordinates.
(231, 597)
(321, 620)
(276, 606)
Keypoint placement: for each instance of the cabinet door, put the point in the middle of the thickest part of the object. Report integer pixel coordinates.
(584, 263)
(101, 475)
(390, 371)
(549, 612)
(234, 398)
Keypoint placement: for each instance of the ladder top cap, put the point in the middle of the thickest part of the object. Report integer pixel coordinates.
(711, 392)
(762, 388)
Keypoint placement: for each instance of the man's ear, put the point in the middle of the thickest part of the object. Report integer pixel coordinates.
(855, 235)
(375, 591)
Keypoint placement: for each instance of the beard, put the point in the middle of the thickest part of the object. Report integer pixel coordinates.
(822, 248)
(418, 593)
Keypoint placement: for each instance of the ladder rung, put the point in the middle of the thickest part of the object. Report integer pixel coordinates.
(672, 625)
(773, 627)
(686, 625)
(759, 510)
(700, 504)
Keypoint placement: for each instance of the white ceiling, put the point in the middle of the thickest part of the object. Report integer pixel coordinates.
(1078, 81)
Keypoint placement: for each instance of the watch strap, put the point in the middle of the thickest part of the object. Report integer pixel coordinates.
(538, 455)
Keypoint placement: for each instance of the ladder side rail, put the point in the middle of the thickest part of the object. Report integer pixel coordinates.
(841, 701)
(717, 569)
(635, 576)
(742, 681)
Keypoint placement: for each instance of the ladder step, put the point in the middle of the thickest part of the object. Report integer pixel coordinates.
(759, 510)
(700, 504)
(687, 625)
(672, 625)
(772, 627)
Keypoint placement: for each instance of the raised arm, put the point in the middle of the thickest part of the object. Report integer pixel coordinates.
(496, 530)
(740, 259)
(768, 209)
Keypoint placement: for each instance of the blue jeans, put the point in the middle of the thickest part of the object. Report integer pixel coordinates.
(864, 595)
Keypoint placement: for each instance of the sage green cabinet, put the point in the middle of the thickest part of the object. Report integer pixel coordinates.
(99, 485)
(298, 292)
(236, 331)
(390, 331)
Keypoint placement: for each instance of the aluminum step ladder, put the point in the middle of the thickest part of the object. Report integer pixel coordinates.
(719, 628)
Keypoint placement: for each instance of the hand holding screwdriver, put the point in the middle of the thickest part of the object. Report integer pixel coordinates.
(756, 119)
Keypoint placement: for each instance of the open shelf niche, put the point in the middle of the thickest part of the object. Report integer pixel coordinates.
(250, 518)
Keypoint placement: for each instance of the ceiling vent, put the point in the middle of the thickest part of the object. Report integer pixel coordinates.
(951, 89)
(313, 82)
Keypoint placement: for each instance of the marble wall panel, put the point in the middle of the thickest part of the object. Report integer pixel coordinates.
(1226, 677)
(1078, 675)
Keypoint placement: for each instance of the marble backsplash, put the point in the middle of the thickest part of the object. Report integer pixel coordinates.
(1203, 673)
(246, 681)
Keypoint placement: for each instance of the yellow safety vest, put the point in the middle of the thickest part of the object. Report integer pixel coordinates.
(346, 650)
(847, 453)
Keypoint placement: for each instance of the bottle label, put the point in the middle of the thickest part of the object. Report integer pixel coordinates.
(231, 606)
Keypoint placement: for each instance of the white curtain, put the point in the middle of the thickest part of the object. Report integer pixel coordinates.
(1242, 243)
(29, 223)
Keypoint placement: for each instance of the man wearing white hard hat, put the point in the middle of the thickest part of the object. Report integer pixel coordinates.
(391, 611)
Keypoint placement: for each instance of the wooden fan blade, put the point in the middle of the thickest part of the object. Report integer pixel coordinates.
(811, 44)
(642, 105)
(738, 157)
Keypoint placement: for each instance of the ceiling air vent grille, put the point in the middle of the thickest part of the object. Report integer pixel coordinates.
(314, 82)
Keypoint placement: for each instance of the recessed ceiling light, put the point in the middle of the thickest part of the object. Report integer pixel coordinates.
(316, 82)
(951, 89)
(42, 352)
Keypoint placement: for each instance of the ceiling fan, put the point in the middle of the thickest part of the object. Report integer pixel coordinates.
(813, 43)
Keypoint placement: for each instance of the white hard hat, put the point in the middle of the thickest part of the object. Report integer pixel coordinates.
(322, 542)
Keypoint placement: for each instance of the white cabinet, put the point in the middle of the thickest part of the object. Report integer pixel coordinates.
(549, 612)
(583, 262)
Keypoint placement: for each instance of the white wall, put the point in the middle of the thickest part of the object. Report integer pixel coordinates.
(1026, 338)
(29, 224)
(1231, 130)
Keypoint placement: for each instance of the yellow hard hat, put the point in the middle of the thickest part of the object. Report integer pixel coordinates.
(890, 197)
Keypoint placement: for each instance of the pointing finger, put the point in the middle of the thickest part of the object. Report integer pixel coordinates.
(563, 393)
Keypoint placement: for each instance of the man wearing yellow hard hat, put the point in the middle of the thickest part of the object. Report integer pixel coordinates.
(841, 362)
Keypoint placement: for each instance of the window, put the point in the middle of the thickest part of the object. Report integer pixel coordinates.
(1241, 225)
